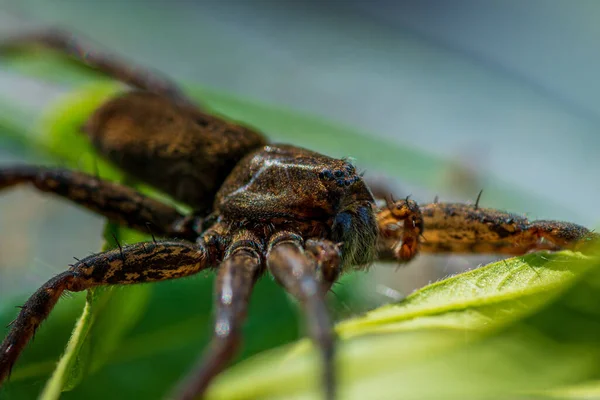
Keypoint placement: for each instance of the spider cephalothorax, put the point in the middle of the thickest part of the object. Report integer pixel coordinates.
(301, 216)
(323, 197)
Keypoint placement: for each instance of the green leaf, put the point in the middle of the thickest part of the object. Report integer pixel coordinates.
(474, 299)
(107, 316)
(70, 369)
(586, 391)
(511, 328)
(49, 66)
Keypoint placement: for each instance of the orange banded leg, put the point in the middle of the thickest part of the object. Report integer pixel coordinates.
(129, 74)
(469, 229)
(461, 228)
(143, 262)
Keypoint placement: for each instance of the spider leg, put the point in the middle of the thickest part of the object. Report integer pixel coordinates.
(235, 279)
(467, 229)
(142, 262)
(117, 202)
(110, 65)
(549, 235)
(463, 228)
(295, 271)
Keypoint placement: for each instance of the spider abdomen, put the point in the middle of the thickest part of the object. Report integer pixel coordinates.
(185, 153)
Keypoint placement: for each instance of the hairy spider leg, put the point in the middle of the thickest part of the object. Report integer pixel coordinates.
(295, 271)
(110, 65)
(119, 203)
(469, 229)
(142, 262)
(236, 277)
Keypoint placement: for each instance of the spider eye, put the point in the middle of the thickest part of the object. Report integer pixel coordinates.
(325, 174)
(338, 174)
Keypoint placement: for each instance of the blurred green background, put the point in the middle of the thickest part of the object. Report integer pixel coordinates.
(438, 99)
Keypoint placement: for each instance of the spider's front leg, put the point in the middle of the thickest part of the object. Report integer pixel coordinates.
(406, 229)
(297, 272)
(110, 65)
(237, 274)
(142, 262)
(119, 203)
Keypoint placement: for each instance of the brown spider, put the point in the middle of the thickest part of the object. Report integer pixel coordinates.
(303, 216)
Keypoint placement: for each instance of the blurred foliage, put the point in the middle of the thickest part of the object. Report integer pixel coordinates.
(500, 330)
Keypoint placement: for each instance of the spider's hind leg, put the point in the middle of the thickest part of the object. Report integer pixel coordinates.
(142, 262)
(117, 202)
(108, 64)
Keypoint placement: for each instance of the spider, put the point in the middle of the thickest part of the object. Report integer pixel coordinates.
(260, 207)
